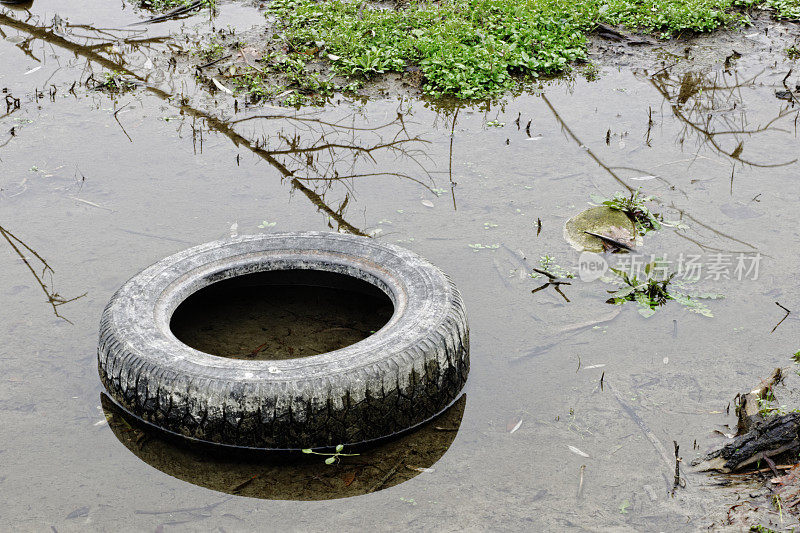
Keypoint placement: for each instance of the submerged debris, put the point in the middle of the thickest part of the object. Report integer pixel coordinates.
(762, 432)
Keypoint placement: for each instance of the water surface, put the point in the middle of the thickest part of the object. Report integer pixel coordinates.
(101, 187)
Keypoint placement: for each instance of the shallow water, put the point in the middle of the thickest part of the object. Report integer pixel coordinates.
(102, 187)
(269, 317)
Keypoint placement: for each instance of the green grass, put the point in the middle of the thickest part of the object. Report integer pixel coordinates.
(480, 48)
(786, 9)
(210, 50)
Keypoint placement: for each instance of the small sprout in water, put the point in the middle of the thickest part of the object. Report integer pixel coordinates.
(635, 206)
(547, 264)
(623, 507)
(495, 124)
(265, 224)
(796, 357)
(331, 458)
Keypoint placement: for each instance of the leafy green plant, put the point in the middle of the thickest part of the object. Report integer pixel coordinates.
(115, 82)
(635, 206)
(766, 408)
(654, 291)
(477, 48)
(549, 265)
(758, 528)
(334, 457)
(785, 9)
(210, 50)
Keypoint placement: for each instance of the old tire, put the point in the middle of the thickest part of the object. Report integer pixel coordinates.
(402, 375)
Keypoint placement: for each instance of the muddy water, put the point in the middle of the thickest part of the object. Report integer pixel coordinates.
(280, 317)
(101, 187)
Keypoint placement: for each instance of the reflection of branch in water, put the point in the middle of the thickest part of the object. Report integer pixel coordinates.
(698, 103)
(450, 165)
(621, 181)
(53, 298)
(588, 150)
(306, 157)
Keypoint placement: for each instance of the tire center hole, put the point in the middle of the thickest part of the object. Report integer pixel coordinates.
(281, 314)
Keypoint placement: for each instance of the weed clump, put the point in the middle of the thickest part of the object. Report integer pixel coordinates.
(635, 206)
(476, 48)
(655, 289)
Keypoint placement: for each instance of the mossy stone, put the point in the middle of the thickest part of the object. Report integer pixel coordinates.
(600, 220)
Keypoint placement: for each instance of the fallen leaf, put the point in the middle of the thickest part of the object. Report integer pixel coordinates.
(420, 469)
(427, 203)
(79, 512)
(576, 451)
(513, 425)
(348, 478)
(221, 87)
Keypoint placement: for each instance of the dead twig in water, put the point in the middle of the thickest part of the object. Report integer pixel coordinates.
(214, 62)
(171, 14)
(782, 319)
(53, 298)
(772, 466)
(580, 483)
(788, 90)
(677, 480)
(552, 280)
(87, 202)
(205, 508)
(392, 471)
(243, 484)
(644, 429)
(609, 240)
(120, 123)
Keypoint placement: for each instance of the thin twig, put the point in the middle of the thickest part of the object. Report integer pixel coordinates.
(782, 319)
(788, 90)
(53, 298)
(382, 481)
(580, 483)
(120, 123)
